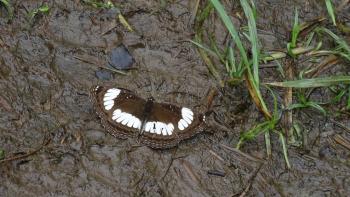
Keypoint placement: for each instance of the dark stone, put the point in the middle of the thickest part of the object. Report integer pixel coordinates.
(120, 58)
(103, 75)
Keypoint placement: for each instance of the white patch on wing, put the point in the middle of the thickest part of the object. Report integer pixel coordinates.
(126, 119)
(108, 99)
(171, 127)
(186, 120)
(148, 126)
(131, 122)
(137, 123)
(159, 128)
(116, 114)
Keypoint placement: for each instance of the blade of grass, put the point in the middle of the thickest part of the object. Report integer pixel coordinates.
(330, 10)
(312, 83)
(253, 37)
(230, 27)
(8, 7)
(272, 124)
(212, 69)
(232, 61)
(285, 149)
(317, 107)
(211, 52)
(124, 22)
(252, 133)
(296, 29)
(295, 32)
(341, 42)
(348, 101)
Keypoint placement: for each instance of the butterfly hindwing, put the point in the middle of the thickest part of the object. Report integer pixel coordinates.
(168, 124)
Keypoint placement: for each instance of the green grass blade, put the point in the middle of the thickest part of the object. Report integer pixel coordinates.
(253, 8)
(296, 29)
(8, 7)
(232, 61)
(253, 37)
(313, 83)
(230, 27)
(285, 151)
(252, 133)
(317, 107)
(341, 42)
(348, 102)
(330, 10)
(295, 106)
(211, 52)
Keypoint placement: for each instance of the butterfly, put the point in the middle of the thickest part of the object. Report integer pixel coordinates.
(157, 125)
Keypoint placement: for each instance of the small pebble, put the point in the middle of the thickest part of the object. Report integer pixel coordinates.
(120, 58)
(103, 75)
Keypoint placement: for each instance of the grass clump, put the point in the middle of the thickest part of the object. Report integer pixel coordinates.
(241, 57)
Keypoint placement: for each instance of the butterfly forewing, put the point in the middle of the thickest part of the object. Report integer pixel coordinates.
(120, 110)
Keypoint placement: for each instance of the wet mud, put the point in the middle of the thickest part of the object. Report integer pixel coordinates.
(47, 69)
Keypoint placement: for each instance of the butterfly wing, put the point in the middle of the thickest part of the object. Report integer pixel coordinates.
(120, 110)
(168, 124)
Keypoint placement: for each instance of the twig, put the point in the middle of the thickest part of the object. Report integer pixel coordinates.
(170, 164)
(340, 125)
(26, 155)
(188, 168)
(342, 141)
(241, 153)
(212, 93)
(250, 183)
(216, 155)
(288, 100)
(95, 63)
(324, 65)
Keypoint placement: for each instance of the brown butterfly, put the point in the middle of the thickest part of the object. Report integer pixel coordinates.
(157, 125)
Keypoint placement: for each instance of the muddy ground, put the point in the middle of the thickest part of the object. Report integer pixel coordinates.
(47, 68)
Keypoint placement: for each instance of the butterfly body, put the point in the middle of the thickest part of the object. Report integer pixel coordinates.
(157, 125)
